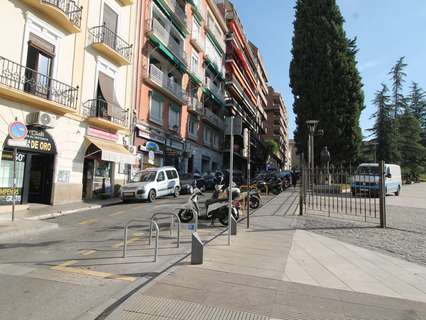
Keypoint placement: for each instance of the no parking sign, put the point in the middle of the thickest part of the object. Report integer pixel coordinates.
(18, 130)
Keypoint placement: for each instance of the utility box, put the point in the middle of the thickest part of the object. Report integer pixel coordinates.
(197, 249)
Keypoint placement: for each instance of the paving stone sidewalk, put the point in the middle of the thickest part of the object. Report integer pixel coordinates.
(273, 271)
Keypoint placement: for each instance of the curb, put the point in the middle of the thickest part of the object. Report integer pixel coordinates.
(63, 213)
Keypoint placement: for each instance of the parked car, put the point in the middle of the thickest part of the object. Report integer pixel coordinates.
(286, 178)
(151, 183)
(189, 182)
(367, 178)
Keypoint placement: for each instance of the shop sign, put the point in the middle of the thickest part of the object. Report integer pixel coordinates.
(175, 144)
(151, 136)
(37, 140)
(102, 134)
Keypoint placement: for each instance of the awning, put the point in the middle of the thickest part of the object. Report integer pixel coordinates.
(112, 151)
(156, 42)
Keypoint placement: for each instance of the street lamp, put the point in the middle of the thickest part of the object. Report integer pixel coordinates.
(312, 126)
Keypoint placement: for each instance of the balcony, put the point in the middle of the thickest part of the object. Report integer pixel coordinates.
(172, 89)
(64, 13)
(195, 105)
(156, 28)
(96, 113)
(24, 85)
(196, 41)
(126, 2)
(177, 10)
(217, 37)
(110, 45)
(218, 93)
(215, 120)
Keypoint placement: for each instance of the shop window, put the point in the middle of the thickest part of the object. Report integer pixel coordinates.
(174, 118)
(6, 177)
(39, 63)
(156, 108)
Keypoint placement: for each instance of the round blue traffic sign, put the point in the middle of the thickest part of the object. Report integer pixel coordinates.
(18, 130)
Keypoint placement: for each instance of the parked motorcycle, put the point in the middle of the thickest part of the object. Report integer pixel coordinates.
(254, 198)
(216, 208)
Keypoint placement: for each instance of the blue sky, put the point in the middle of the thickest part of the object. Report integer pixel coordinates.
(386, 30)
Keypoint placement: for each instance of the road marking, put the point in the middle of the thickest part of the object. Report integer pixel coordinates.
(65, 267)
(120, 244)
(117, 213)
(90, 221)
(87, 252)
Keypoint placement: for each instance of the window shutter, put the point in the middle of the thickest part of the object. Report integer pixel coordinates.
(107, 89)
(41, 44)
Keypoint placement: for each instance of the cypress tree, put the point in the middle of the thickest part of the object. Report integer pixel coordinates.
(383, 131)
(325, 81)
(398, 75)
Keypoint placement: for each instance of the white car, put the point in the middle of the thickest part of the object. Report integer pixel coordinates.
(152, 183)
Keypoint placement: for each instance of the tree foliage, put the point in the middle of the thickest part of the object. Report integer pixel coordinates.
(325, 81)
(398, 75)
(272, 147)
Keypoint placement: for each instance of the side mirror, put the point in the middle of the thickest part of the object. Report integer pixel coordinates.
(388, 175)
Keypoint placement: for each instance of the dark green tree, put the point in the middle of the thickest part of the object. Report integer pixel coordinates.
(417, 106)
(272, 147)
(325, 81)
(398, 75)
(412, 151)
(383, 131)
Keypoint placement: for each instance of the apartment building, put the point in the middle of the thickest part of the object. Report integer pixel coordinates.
(180, 94)
(277, 127)
(66, 72)
(245, 83)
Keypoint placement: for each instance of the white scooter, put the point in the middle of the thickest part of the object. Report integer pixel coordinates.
(216, 208)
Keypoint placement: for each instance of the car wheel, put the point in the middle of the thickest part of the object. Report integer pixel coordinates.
(152, 195)
(176, 192)
(398, 192)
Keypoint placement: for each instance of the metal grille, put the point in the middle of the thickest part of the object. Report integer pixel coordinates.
(98, 108)
(102, 34)
(69, 7)
(21, 78)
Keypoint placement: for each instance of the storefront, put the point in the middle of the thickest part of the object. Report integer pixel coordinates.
(35, 160)
(106, 165)
(151, 146)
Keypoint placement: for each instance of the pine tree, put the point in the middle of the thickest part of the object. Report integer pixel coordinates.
(383, 131)
(412, 152)
(398, 75)
(325, 81)
(417, 106)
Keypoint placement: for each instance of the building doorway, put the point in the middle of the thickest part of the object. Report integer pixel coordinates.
(39, 178)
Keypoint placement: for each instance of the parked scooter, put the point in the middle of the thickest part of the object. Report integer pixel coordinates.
(254, 198)
(216, 208)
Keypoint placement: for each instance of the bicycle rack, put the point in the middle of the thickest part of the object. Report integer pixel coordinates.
(157, 235)
(171, 215)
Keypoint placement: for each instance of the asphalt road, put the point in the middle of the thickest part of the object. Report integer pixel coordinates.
(66, 272)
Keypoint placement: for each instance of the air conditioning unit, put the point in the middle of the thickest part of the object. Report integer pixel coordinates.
(41, 119)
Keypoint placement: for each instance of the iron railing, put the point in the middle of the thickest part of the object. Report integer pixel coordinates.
(177, 10)
(195, 105)
(157, 76)
(24, 79)
(98, 108)
(102, 34)
(213, 118)
(164, 35)
(215, 90)
(69, 7)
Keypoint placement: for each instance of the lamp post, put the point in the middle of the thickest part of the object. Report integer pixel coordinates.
(312, 126)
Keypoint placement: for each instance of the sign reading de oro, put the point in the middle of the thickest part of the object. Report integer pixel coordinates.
(38, 140)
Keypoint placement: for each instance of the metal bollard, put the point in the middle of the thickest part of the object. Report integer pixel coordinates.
(233, 226)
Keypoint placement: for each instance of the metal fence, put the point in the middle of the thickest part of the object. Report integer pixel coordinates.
(102, 34)
(340, 192)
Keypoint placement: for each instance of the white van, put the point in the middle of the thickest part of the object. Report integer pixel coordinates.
(366, 179)
(151, 183)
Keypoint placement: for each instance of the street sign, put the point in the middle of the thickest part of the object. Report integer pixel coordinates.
(18, 130)
(17, 143)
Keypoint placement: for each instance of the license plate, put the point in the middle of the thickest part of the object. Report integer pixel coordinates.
(128, 194)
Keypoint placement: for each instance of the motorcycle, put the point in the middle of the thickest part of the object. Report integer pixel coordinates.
(254, 198)
(216, 208)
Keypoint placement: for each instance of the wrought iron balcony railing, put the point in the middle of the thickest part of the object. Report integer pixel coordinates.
(177, 10)
(21, 78)
(164, 35)
(158, 76)
(195, 105)
(69, 7)
(102, 34)
(213, 118)
(215, 90)
(98, 108)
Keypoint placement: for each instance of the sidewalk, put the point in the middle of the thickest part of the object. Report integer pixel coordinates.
(27, 217)
(273, 271)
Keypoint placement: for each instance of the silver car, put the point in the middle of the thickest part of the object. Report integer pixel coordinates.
(151, 183)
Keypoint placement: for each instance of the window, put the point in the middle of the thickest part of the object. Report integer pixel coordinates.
(171, 174)
(39, 59)
(192, 127)
(194, 63)
(161, 176)
(156, 108)
(174, 118)
(195, 29)
(110, 19)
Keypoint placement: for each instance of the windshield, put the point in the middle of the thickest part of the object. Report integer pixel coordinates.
(144, 176)
(368, 171)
